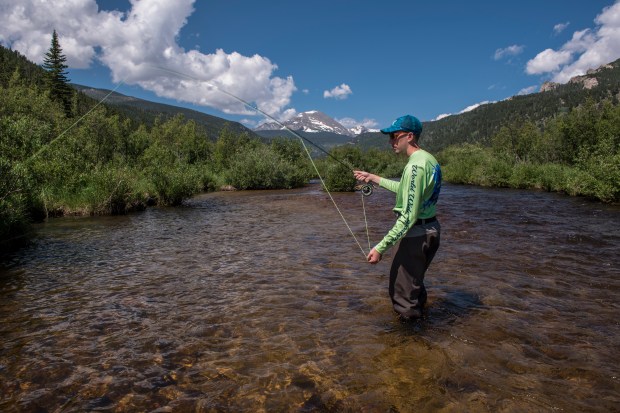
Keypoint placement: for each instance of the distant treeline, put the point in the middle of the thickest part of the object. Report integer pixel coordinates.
(577, 153)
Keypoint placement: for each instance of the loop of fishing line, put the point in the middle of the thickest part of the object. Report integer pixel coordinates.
(301, 139)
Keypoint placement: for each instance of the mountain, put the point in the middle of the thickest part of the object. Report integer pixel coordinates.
(482, 123)
(310, 122)
(360, 129)
(146, 111)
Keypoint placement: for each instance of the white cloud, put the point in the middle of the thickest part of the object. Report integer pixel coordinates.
(587, 49)
(339, 92)
(475, 105)
(467, 109)
(547, 61)
(305, 91)
(250, 123)
(351, 123)
(287, 114)
(528, 90)
(135, 44)
(560, 27)
(509, 51)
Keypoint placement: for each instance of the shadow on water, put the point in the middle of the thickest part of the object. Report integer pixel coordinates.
(451, 308)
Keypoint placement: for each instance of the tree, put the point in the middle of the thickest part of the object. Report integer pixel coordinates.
(57, 81)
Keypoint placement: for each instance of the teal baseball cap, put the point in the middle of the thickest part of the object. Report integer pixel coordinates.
(405, 123)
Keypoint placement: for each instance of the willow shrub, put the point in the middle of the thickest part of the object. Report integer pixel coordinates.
(467, 164)
(173, 184)
(264, 168)
(338, 174)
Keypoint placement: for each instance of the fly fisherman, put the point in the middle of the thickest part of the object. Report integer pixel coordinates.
(416, 227)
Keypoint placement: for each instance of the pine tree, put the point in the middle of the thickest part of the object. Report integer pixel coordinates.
(57, 81)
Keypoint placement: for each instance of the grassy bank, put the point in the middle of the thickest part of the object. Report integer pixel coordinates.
(476, 165)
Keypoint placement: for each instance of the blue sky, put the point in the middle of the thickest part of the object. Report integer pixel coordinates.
(358, 61)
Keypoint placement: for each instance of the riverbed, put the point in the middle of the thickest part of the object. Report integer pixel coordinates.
(262, 301)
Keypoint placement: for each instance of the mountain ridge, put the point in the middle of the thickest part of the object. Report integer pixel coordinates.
(147, 111)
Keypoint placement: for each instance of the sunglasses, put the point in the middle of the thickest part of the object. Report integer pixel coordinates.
(393, 136)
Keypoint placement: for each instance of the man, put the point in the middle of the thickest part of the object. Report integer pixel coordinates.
(416, 227)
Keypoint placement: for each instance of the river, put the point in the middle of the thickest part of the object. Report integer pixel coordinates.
(261, 301)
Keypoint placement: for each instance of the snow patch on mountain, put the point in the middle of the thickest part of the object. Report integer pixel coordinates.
(311, 121)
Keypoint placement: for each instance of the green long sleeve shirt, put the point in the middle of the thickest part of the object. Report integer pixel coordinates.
(416, 195)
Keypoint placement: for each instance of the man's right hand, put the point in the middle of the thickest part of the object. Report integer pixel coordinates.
(366, 177)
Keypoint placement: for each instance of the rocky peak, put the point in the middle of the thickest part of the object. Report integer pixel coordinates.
(547, 86)
(311, 121)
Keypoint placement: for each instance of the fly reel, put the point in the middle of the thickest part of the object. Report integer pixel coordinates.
(365, 189)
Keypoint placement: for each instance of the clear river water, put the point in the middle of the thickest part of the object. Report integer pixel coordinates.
(261, 301)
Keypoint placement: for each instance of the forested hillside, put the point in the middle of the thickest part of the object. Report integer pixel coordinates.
(482, 123)
(144, 111)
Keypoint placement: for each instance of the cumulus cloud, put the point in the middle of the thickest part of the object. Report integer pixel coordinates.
(136, 44)
(560, 27)
(250, 123)
(587, 49)
(475, 105)
(528, 90)
(443, 115)
(339, 92)
(351, 123)
(287, 114)
(548, 61)
(509, 51)
(467, 109)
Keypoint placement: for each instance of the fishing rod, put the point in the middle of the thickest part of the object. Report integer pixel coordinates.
(366, 189)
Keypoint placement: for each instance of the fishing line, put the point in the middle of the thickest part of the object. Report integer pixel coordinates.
(301, 138)
(365, 221)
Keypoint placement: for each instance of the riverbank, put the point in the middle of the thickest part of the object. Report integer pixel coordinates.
(477, 165)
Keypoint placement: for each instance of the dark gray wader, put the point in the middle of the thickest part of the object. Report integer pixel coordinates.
(414, 255)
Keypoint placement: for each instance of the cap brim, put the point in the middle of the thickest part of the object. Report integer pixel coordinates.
(391, 129)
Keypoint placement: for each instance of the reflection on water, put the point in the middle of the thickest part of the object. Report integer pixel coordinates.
(261, 301)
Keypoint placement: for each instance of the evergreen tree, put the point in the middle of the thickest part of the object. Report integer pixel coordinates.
(57, 81)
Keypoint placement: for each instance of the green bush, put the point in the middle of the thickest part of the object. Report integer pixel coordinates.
(172, 185)
(263, 168)
(338, 173)
(465, 164)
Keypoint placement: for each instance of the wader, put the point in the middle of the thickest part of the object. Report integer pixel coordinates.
(414, 255)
